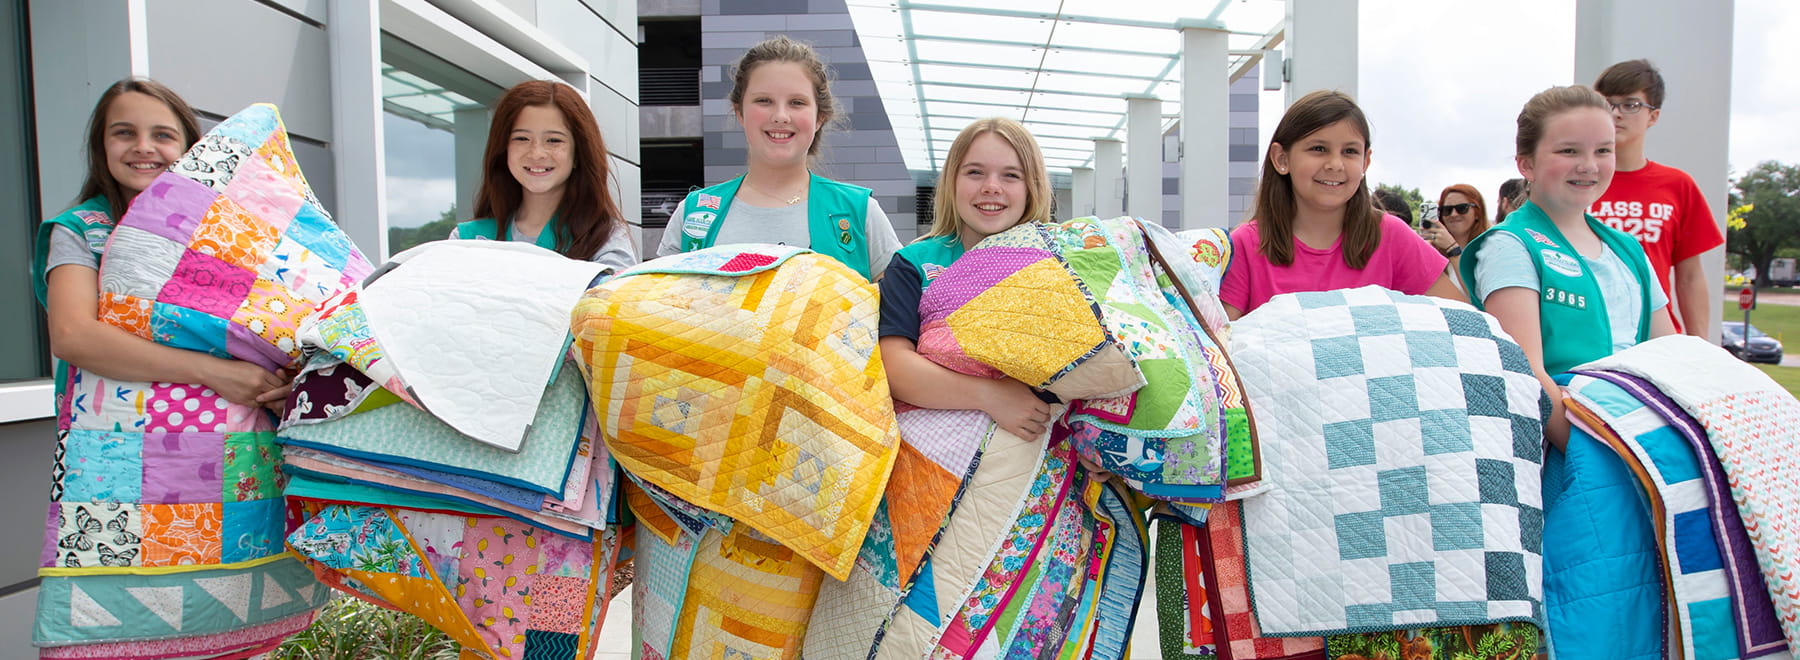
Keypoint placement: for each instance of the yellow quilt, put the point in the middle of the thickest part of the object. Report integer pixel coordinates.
(746, 380)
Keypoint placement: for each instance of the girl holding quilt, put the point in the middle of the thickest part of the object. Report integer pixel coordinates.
(138, 129)
(993, 178)
(1315, 227)
(544, 178)
(1551, 273)
(781, 95)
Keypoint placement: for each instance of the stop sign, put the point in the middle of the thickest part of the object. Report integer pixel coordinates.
(1747, 298)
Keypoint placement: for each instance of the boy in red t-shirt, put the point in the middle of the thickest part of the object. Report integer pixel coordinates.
(1658, 204)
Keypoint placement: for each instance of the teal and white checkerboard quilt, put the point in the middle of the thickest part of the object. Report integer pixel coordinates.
(1402, 442)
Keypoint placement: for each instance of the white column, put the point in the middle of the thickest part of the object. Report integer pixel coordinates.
(1081, 192)
(1321, 46)
(1109, 170)
(471, 144)
(1205, 125)
(1143, 133)
(1690, 43)
(355, 42)
(66, 81)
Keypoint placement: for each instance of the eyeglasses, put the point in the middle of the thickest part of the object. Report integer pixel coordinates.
(1455, 209)
(1630, 107)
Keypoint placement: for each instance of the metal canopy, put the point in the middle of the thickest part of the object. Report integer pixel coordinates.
(1062, 67)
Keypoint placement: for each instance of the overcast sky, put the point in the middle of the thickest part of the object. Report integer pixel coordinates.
(1442, 83)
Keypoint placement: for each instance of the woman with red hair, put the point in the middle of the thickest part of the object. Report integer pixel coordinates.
(1462, 215)
(543, 178)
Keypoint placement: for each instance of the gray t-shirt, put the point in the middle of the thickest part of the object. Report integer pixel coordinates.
(67, 248)
(787, 226)
(618, 251)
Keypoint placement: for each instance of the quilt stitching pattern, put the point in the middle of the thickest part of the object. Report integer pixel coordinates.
(1405, 489)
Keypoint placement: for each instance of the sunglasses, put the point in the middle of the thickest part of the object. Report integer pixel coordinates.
(1455, 209)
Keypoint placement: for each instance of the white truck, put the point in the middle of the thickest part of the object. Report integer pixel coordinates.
(1781, 272)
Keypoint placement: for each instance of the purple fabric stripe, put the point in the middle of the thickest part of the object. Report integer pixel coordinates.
(968, 278)
(1759, 631)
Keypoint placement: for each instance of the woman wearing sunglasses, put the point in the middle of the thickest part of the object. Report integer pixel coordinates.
(1461, 216)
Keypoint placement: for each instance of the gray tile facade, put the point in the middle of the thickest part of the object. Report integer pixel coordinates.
(858, 148)
(1245, 155)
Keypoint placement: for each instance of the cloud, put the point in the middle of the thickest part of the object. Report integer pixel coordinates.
(413, 201)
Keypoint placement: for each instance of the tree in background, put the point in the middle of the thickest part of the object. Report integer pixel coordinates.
(1411, 195)
(1770, 223)
(400, 238)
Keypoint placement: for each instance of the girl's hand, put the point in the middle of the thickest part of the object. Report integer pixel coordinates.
(241, 382)
(1439, 238)
(276, 399)
(1094, 470)
(1015, 408)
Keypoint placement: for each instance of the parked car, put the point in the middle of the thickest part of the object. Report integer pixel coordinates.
(1759, 348)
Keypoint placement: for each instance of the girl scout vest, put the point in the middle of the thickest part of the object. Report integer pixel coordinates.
(489, 229)
(835, 215)
(1571, 306)
(931, 256)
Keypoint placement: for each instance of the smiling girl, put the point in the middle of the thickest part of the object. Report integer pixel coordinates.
(993, 178)
(781, 96)
(544, 178)
(1551, 273)
(1315, 228)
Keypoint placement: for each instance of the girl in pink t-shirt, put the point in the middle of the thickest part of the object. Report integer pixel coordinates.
(1322, 230)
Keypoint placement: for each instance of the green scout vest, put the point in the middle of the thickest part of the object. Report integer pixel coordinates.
(489, 229)
(91, 220)
(835, 215)
(1571, 311)
(930, 256)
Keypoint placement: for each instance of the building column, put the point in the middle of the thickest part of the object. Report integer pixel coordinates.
(1109, 168)
(1321, 46)
(1081, 192)
(1205, 125)
(471, 144)
(354, 38)
(1690, 43)
(1143, 133)
(66, 81)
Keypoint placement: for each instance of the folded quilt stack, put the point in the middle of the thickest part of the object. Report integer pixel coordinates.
(446, 454)
(166, 518)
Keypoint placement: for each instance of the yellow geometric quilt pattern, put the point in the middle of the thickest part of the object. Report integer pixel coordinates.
(749, 384)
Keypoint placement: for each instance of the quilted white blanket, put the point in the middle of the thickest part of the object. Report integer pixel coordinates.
(1402, 444)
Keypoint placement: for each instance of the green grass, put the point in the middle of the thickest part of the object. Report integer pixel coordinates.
(350, 628)
(1787, 377)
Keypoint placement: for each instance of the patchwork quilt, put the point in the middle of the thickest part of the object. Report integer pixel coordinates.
(1011, 471)
(165, 518)
(939, 453)
(1019, 311)
(1220, 556)
(494, 585)
(1749, 420)
(745, 380)
(1165, 438)
(1404, 492)
(1709, 612)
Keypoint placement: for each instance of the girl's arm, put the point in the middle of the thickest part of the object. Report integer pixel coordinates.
(1231, 313)
(78, 337)
(1660, 325)
(1447, 289)
(1517, 310)
(925, 384)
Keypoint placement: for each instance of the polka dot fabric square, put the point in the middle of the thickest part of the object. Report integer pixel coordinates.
(181, 407)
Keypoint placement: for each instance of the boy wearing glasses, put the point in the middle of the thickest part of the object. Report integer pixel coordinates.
(1658, 204)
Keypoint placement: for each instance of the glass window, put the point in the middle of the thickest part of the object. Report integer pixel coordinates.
(434, 127)
(27, 354)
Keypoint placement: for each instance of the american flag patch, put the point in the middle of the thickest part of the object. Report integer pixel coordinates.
(709, 201)
(1541, 238)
